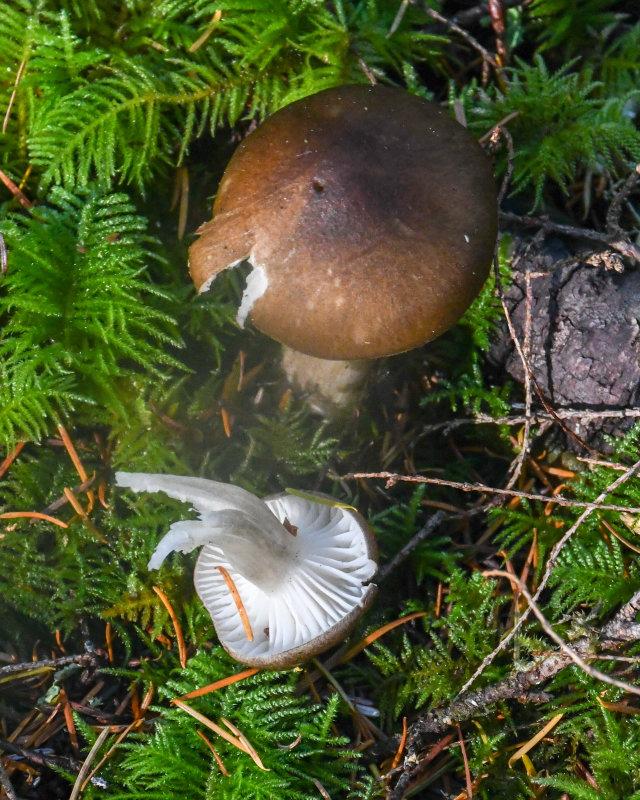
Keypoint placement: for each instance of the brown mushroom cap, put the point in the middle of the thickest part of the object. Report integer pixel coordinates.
(371, 214)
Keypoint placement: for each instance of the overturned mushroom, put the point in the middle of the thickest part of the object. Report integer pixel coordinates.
(369, 217)
(283, 578)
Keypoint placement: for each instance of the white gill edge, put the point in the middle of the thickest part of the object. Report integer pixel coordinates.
(307, 606)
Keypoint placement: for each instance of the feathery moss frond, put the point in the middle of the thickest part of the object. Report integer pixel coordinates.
(76, 304)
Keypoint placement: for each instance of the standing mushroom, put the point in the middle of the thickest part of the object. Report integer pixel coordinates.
(283, 578)
(369, 218)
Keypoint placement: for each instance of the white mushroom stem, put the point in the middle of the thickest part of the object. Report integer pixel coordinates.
(333, 387)
(254, 542)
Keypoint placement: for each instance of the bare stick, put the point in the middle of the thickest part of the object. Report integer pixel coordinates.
(47, 663)
(622, 628)
(424, 532)
(393, 478)
(524, 449)
(538, 416)
(622, 245)
(452, 26)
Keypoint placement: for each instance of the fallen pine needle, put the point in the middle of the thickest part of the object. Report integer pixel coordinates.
(33, 515)
(68, 718)
(207, 33)
(212, 687)
(378, 633)
(75, 503)
(250, 749)
(223, 769)
(325, 794)
(237, 600)
(467, 771)
(11, 458)
(5, 122)
(182, 650)
(24, 201)
(73, 453)
(403, 741)
(135, 724)
(101, 496)
(212, 726)
(622, 708)
(521, 751)
(78, 786)
(146, 700)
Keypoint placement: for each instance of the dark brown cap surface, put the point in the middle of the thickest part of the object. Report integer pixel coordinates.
(372, 213)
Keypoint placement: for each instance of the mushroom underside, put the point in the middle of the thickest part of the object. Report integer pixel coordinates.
(317, 603)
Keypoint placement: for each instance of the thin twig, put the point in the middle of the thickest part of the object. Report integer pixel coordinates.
(452, 26)
(555, 552)
(622, 245)
(4, 258)
(13, 95)
(538, 416)
(526, 433)
(427, 529)
(393, 478)
(47, 663)
(525, 362)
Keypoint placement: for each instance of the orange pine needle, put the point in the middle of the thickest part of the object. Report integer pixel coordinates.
(11, 458)
(101, 496)
(212, 687)
(109, 642)
(33, 515)
(223, 769)
(239, 605)
(68, 718)
(182, 650)
(378, 633)
(403, 741)
(75, 503)
(146, 700)
(73, 453)
(467, 771)
(226, 422)
(24, 201)
(135, 705)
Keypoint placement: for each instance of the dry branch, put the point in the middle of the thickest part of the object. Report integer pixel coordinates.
(622, 628)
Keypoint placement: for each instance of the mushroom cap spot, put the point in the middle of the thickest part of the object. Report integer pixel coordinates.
(318, 603)
(368, 189)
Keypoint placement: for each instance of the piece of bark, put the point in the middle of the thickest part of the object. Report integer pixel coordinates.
(585, 335)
